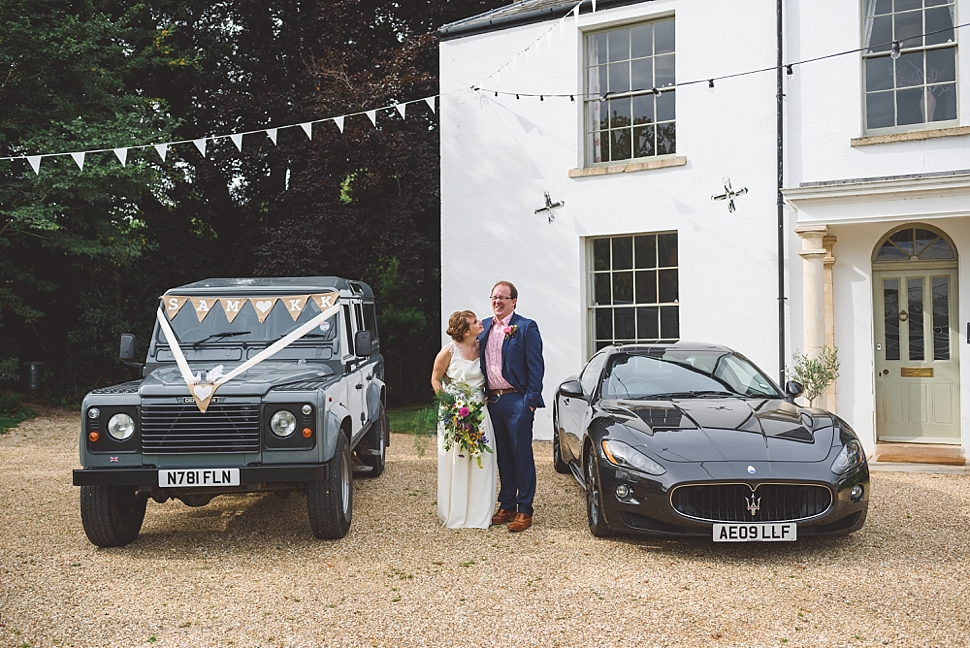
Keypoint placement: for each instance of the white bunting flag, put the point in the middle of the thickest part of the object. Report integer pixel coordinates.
(122, 154)
(308, 129)
(430, 102)
(575, 11)
(263, 306)
(594, 6)
(237, 140)
(372, 115)
(325, 300)
(162, 150)
(200, 144)
(79, 160)
(339, 121)
(401, 108)
(231, 307)
(271, 132)
(202, 306)
(562, 26)
(294, 305)
(173, 304)
(34, 161)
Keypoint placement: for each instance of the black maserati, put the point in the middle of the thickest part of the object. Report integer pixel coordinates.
(693, 439)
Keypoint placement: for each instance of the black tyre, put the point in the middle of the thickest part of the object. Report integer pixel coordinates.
(378, 440)
(112, 515)
(330, 502)
(561, 466)
(594, 502)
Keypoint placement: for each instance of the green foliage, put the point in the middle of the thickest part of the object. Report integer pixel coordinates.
(13, 411)
(816, 373)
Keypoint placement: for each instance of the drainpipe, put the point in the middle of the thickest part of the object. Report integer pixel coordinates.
(780, 125)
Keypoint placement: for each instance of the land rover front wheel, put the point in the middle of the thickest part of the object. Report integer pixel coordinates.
(330, 502)
(111, 515)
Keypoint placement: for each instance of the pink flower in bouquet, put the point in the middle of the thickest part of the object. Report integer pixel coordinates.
(463, 412)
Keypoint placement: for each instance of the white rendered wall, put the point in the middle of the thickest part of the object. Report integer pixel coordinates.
(499, 154)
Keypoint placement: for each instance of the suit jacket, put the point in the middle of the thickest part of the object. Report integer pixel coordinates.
(522, 363)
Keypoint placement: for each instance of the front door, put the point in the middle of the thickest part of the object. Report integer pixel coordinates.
(916, 346)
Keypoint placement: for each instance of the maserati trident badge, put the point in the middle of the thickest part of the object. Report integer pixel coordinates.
(754, 504)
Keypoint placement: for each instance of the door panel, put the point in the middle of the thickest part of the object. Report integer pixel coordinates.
(917, 370)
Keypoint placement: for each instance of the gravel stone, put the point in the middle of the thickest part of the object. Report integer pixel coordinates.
(245, 570)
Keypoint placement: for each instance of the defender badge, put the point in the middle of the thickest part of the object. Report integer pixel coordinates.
(754, 504)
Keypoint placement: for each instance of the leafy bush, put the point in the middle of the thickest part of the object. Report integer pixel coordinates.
(13, 411)
(815, 374)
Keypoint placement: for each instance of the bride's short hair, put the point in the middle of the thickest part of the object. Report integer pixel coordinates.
(458, 324)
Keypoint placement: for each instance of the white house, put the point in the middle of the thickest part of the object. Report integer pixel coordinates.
(633, 115)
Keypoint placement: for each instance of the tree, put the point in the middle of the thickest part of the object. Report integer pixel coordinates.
(815, 373)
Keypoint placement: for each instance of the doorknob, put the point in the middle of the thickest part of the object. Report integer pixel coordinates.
(903, 316)
(885, 372)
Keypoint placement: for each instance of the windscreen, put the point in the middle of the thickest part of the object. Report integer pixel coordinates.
(685, 373)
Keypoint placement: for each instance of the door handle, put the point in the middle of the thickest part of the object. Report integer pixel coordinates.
(370, 377)
(359, 386)
(885, 372)
(903, 316)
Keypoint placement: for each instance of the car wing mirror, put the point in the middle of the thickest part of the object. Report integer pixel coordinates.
(794, 388)
(362, 344)
(127, 351)
(572, 389)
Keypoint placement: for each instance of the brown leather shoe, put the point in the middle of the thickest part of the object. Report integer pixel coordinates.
(521, 522)
(503, 516)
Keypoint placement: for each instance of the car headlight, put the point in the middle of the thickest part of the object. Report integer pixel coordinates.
(625, 455)
(121, 426)
(850, 457)
(283, 423)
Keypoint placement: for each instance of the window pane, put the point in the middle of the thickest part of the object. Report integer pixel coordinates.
(880, 109)
(889, 252)
(646, 285)
(644, 141)
(597, 49)
(623, 288)
(669, 322)
(881, 35)
(907, 5)
(664, 71)
(594, 146)
(624, 323)
(939, 65)
(890, 295)
(601, 254)
(619, 112)
(879, 7)
(667, 244)
(645, 251)
(648, 323)
(909, 26)
(619, 77)
(909, 106)
(596, 78)
(623, 253)
(668, 286)
(604, 324)
(915, 291)
(666, 106)
(602, 295)
(619, 45)
(904, 240)
(642, 74)
(879, 73)
(641, 41)
(664, 36)
(939, 250)
(643, 109)
(939, 20)
(923, 239)
(620, 144)
(909, 69)
(941, 102)
(666, 140)
(941, 318)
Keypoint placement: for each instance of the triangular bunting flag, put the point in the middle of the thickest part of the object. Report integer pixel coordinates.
(594, 6)
(79, 160)
(339, 121)
(575, 10)
(325, 300)
(263, 306)
(34, 161)
(372, 115)
(430, 102)
(308, 129)
(402, 108)
(122, 154)
(271, 132)
(562, 26)
(173, 304)
(200, 144)
(202, 306)
(162, 150)
(294, 305)
(237, 140)
(231, 307)
(202, 393)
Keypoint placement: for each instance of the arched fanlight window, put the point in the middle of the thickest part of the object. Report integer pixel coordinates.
(915, 244)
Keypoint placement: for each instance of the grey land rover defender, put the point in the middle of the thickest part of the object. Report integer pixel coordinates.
(249, 386)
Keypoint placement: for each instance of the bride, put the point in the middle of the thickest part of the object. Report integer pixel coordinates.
(466, 492)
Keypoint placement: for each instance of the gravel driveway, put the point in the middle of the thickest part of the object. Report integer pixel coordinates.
(245, 571)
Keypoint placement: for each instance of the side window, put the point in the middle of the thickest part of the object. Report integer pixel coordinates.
(591, 374)
(370, 320)
(349, 336)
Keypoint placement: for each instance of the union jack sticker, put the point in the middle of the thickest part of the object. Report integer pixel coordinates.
(113, 459)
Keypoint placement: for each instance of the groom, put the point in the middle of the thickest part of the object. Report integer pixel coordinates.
(512, 365)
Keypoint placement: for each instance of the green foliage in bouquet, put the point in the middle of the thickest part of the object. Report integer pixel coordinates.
(462, 414)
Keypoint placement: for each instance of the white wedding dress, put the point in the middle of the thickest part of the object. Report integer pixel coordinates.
(466, 493)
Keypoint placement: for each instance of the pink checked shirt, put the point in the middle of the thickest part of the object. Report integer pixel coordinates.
(493, 354)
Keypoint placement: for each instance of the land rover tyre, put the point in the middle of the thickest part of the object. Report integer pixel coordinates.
(330, 502)
(378, 438)
(561, 466)
(111, 515)
(594, 498)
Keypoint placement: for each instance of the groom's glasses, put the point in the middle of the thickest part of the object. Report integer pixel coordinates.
(499, 298)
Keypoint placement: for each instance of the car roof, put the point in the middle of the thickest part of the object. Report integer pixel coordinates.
(681, 345)
(270, 285)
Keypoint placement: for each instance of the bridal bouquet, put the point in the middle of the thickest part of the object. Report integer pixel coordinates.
(462, 413)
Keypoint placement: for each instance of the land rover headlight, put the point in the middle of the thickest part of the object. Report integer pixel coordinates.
(625, 455)
(121, 426)
(283, 423)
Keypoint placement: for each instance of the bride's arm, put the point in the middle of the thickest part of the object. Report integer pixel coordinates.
(441, 362)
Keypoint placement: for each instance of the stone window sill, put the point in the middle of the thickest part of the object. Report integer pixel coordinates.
(662, 163)
(913, 136)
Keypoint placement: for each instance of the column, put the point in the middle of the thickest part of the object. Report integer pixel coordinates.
(828, 242)
(813, 254)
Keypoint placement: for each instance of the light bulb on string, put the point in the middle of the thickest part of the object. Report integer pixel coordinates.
(788, 70)
(656, 91)
(710, 85)
(894, 51)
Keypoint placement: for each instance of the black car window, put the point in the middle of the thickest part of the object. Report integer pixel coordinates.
(592, 372)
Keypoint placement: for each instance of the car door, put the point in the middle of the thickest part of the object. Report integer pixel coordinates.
(574, 413)
(353, 371)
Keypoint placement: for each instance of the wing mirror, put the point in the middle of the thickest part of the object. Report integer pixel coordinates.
(794, 389)
(572, 388)
(362, 344)
(127, 351)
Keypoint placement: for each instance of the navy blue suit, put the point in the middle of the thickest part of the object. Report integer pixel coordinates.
(523, 368)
